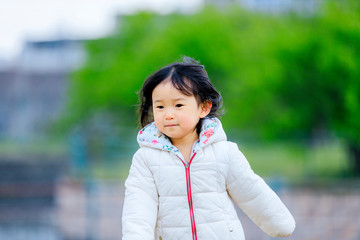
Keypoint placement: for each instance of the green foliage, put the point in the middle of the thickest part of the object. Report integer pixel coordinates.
(283, 76)
(117, 66)
(319, 86)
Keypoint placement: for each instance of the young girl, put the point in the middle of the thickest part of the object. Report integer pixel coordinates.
(185, 175)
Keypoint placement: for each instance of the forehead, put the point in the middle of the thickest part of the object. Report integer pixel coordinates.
(166, 91)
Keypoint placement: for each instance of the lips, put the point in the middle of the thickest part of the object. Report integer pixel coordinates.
(171, 125)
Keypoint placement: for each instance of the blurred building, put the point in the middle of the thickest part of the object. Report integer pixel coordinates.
(273, 6)
(33, 90)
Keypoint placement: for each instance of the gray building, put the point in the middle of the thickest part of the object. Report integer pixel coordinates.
(272, 6)
(33, 91)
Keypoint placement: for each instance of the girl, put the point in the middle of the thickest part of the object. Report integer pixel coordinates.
(185, 175)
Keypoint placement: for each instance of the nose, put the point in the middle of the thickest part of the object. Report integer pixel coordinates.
(169, 115)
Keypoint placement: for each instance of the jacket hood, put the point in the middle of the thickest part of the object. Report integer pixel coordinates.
(211, 132)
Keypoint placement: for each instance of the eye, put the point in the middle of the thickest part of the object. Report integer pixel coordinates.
(179, 105)
(159, 107)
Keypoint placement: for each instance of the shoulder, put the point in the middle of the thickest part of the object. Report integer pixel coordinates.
(146, 155)
(146, 151)
(233, 149)
(228, 149)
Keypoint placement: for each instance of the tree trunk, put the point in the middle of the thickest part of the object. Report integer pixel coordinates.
(354, 152)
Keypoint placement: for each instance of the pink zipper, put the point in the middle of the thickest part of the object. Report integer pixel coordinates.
(188, 188)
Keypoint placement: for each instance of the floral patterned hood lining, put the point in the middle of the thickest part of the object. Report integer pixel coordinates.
(211, 131)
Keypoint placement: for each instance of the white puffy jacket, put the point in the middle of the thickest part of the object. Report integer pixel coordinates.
(169, 199)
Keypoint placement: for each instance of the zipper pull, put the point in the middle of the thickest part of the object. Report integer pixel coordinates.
(186, 165)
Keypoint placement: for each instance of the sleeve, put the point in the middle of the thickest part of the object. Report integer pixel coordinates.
(256, 198)
(140, 203)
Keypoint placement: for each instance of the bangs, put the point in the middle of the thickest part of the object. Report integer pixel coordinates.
(183, 84)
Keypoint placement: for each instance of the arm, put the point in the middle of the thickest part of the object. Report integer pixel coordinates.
(256, 198)
(140, 203)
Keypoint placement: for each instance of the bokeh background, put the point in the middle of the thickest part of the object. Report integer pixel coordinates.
(288, 71)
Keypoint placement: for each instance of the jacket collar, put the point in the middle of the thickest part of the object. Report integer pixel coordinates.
(211, 131)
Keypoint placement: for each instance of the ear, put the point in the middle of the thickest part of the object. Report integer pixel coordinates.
(205, 108)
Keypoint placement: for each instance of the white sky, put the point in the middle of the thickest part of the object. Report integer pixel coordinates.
(49, 19)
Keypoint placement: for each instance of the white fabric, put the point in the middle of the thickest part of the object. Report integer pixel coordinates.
(156, 204)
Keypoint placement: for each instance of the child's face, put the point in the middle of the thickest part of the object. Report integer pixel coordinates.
(176, 114)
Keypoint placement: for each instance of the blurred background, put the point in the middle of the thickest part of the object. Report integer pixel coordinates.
(288, 71)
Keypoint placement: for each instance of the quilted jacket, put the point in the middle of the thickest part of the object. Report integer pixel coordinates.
(167, 198)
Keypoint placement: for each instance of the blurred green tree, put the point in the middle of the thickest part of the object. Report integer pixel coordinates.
(285, 76)
(230, 43)
(319, 87)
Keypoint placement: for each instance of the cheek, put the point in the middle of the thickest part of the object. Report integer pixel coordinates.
(188, 119)
(157, 117)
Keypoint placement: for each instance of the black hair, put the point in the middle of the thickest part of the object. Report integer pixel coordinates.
(187, 76)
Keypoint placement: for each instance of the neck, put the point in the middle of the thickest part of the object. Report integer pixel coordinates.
(186, 141)
(185, 144)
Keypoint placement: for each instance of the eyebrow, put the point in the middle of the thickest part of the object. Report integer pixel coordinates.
(174, 99)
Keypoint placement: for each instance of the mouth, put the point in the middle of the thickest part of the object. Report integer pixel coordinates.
(171, 125)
